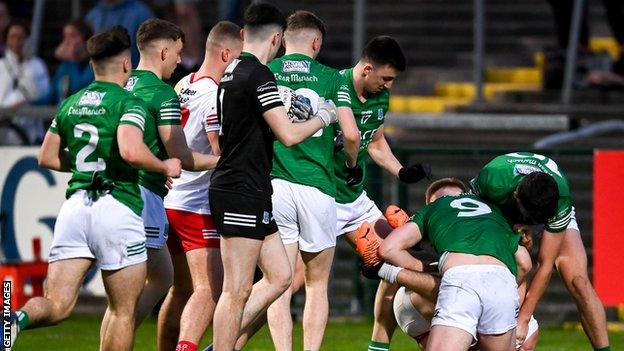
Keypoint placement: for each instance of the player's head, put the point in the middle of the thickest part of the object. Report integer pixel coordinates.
(16, 35)
(264, 24)
(110, 52)
(304, 31)
(537, 196)
(161, 42)
(382, 60)
(443, 187)
(224, 42)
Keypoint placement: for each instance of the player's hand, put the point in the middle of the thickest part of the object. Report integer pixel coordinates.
(327, 112)
(173, 167)
(169, 183)
(396, 216)
(301, 109)
(354, 174)
(521, 330)
(415, 173)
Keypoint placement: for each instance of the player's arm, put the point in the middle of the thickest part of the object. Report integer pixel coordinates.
(212, 127)
(174, 141)
(53, 154)
(350, 133)
(380, 152)
(548, 252)
(289, 133)
(213, 139)
(394, 248)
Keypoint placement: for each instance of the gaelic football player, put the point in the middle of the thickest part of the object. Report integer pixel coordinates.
(102, 127)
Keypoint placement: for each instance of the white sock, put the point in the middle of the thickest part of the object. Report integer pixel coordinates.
(389, 272)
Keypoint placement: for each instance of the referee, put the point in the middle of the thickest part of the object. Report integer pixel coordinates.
(252, 115)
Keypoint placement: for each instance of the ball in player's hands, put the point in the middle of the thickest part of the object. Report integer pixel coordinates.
(297, 107)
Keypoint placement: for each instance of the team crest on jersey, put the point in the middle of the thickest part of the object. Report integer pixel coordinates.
(266, 86)
(525, 169)
(296, 66)
(265, 217)
(131, 83)
(380, 114)
(91, 98)
(366, 115)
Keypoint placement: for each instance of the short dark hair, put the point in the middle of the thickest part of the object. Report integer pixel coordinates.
(156, 28)
(302, 19)
(109, 43)
(384, 50)
(441, 183)
(261, 14)
(17, 23)
(83, 27)
(224, 30)
(538, 194)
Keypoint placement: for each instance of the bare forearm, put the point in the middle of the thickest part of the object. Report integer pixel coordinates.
(202, 162)
(380, 152)
(536, 290)
(424, 284)
(298, 132)
(402, 258)
(351, 150)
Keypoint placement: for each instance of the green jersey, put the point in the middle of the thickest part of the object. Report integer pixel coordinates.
(467, 224)
(369, 116)
(87, 123)
(164, 108)
(498, 180)
(310, 162)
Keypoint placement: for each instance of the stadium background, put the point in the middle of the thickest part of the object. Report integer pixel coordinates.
(436, 117)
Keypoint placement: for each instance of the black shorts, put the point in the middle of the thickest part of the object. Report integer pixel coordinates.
(239, 215)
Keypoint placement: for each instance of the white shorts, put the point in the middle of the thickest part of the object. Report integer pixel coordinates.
(154, 219)
(479, 299)
(305, 215)
(352, 215)
(533, 327)
(407, 316)
(105, 230)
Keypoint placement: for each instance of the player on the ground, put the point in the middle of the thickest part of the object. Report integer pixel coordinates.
(532, 189)
(251, 115)
(102, 128)
(367, 90)
(160, 43)
(478, 293)
(303, 180)
(193, 240)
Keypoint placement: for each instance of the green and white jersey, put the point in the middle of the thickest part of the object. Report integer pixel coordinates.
(310, 162)
(467, 224)
(369, 116)
(164, 108)
(87, 123)
(498, 180)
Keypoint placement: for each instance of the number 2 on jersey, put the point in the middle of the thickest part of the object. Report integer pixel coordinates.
(470, 207)
(82, 164)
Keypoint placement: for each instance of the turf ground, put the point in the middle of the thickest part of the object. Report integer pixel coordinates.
(81, 333)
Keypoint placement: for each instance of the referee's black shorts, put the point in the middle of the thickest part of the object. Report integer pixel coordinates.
(239, 215)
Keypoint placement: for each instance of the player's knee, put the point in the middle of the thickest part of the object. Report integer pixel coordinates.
(281, 281)
(581, 287)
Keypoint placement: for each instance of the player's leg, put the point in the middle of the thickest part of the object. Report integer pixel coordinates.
(532, 337)
(207, 276)
(316, 309)
(413, 315)
(572, 266)
(278, 314)
(385, 322)
(445, 338)
(123, 287)
(502, 342)
(63, 281)
(173, 305)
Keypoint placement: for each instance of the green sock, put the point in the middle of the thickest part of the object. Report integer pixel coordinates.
(378, 346)
(22, 320)
(606, 348)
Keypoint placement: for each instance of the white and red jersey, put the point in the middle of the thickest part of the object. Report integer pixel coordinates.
(198, 103)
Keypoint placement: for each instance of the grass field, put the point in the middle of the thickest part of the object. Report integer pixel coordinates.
(81, 333)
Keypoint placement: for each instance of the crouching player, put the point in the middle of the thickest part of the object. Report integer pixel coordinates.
(477, 296)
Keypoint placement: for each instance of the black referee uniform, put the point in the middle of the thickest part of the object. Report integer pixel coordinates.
(240, 187)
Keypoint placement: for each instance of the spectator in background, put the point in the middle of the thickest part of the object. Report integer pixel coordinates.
(187, 17)
(5, 20)
(127, 13)
(23, 78)
(74, 71)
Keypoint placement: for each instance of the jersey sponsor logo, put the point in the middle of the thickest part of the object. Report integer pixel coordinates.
(295, 78)
(131, 83)
(380, 114)
(366, 115)
(525, 169)
(91, 98)
(86, 111)
(296, 66)
(266, 86)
